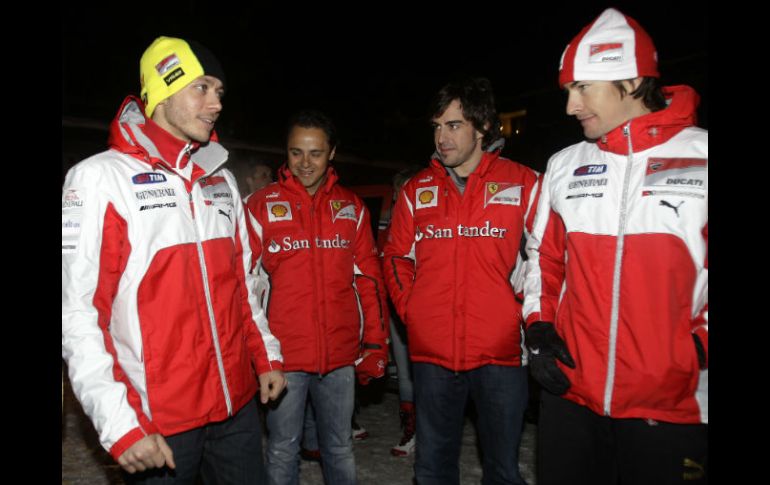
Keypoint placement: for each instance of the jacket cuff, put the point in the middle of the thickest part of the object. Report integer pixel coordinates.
(273, 365)
(532, 318)
(130, 438)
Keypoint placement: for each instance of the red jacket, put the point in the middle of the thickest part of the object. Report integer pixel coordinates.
(451, 262)
(320, 277)
(158, 328)
(619, 262)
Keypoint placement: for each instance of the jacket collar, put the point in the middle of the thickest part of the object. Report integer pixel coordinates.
(657, 127)
(289, 182)
(132, 133)
(487, 159)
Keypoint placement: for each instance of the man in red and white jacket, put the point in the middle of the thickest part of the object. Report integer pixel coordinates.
(617, 283)
(321, 284)
(453, 267)
(159, 330)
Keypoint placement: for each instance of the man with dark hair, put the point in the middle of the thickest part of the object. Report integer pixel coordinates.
(323, 290)
(617, 281)
(453, 267)
(159, 329)
(258, 175)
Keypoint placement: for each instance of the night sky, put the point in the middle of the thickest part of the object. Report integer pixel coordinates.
(373, 68)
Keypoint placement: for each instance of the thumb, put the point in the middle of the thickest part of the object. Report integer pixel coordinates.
(167, 453)
(562, 353)
(264, 392)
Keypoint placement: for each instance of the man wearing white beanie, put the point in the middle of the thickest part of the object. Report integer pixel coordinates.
(616, 292)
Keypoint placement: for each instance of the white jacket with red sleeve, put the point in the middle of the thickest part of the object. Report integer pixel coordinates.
(618, 260)
(158, 329)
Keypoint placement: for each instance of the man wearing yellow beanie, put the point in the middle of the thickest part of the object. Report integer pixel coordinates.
(160, 326)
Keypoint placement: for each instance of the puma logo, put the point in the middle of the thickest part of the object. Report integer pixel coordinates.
(676, 208)
(226, 214)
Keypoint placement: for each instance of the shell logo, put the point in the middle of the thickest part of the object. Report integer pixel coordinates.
(426, 196)
(279, 210)
(492, 187)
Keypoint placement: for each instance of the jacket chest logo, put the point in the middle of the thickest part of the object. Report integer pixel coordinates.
(343, 209)
(426, 197)
(278, 211)
(504, 193)
(216, 191)
(678, 174)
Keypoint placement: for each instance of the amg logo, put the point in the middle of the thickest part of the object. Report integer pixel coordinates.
(157, 206)
(580, 184)
(580, 196)
(680, 181)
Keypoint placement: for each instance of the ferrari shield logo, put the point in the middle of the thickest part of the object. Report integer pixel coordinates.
(504, 193)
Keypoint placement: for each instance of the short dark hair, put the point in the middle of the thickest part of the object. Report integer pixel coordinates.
(478, 104)
(650, 90)
(314, 119)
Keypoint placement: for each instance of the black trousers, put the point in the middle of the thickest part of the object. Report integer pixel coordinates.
(576, 446)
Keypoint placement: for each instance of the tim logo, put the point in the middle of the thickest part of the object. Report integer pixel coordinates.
(590, 170)
(148, 178)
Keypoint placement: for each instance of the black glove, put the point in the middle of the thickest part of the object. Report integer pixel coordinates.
(701, 352)
(545, 347)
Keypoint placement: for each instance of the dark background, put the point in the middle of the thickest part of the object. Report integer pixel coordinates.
(373, 68)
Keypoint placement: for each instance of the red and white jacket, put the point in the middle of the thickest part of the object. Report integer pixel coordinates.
(319, 274)
(452, 261)
(158, 329)
(618, 260)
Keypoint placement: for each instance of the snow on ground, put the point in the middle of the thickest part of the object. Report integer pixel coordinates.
(84, 462)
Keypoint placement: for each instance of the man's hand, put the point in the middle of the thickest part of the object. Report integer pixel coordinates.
(371, 365)
(545, 347)
(271, 384)
(152, 451)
